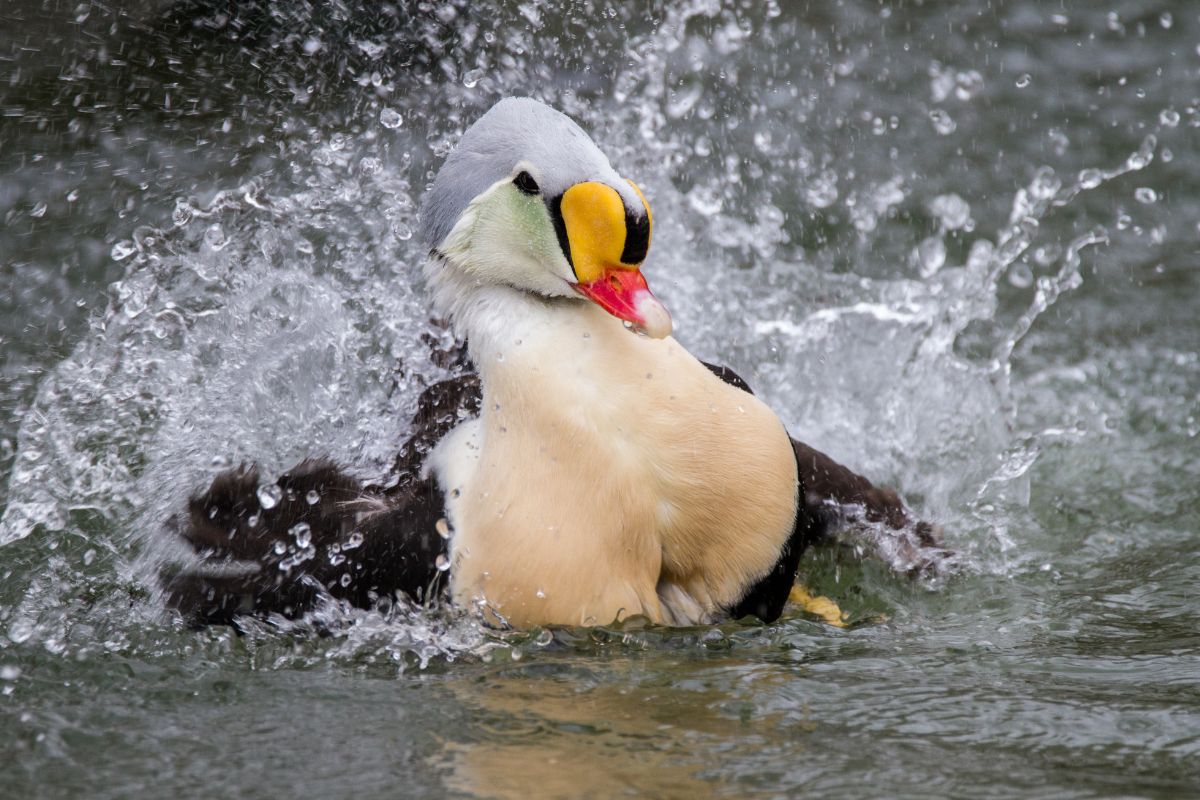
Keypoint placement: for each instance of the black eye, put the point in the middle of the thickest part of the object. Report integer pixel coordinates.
(526, 183)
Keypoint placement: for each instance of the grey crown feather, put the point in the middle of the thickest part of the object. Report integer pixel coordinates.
(516, 129)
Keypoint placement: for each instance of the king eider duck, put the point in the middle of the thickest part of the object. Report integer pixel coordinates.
(588, 469)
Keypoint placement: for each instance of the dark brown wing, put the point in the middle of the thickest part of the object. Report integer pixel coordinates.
(321, 533)
(439, 409)
(829, 485)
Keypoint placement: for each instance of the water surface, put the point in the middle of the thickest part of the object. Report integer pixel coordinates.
(954, 247)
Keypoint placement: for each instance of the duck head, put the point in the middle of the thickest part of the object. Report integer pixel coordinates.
(527, 201)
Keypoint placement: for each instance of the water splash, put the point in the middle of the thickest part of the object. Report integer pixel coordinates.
(279, 318)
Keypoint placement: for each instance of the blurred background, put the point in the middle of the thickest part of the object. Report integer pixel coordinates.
(955, 245)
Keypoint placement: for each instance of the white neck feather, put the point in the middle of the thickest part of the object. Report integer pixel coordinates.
(490, 316)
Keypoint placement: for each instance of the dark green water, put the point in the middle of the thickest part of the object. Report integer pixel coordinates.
(956, 247)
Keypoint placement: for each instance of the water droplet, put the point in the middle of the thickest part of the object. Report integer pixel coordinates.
(302, 533)
(38, 210)
(442, 527)
(9, 673)
(336, 559)
(313, 497)
(822, 192)
(943, 123)
(1046, 254)
(214, 237)
(345, 579)
(280, 547)
(705, 200)
(1024, 80)
(930, 256)
(1166, 20)
(1020, 275)
(122, 250)
(472, 77)
(269, 495)
(941, 83)
(1145, 195)
(354, 540)
(1169, 117)
(1059, 141)
(681, 102)
(1090, 178)
(183, 213)
(1144, 155)
(133, 297)
(20, 630)
(981, 255)
(1045, 184)
(402, 231)
(442, 563)
(951, 211)
(969, 84)
(541, 594)
(390, 118)
(371, 49)
(543, 638)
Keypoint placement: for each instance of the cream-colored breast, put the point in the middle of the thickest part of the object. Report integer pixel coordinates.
(611, 475)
